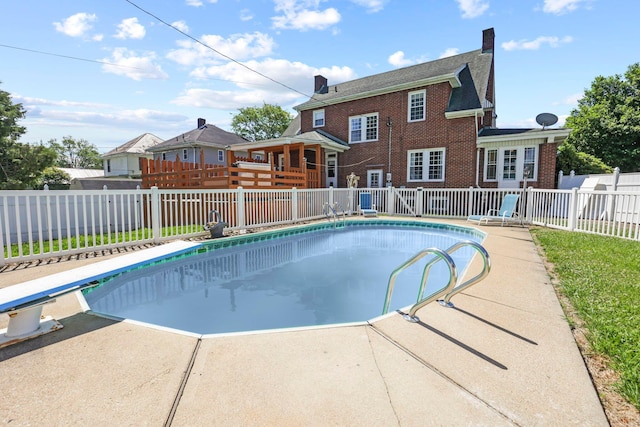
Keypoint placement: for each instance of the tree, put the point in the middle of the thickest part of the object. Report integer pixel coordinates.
(20, 164)
(569, 159)
(77, 154)
(55, 179)
(606, 123)
(259, 123)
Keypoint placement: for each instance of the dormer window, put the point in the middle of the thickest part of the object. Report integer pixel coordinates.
(417, 103)
(318, 118)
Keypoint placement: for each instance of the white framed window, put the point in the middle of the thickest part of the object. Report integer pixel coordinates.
(417, 105)
(221, 155)
(426, 165)
(491, 164)
(164, 156)
(511, 164)
(185, 154)
(318, 118)
(363, 128)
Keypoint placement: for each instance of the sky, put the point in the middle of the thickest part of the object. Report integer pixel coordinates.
(109, 71)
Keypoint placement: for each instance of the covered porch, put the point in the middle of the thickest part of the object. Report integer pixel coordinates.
(312, 154)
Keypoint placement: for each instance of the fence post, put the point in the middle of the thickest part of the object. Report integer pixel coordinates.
(528, 209)
(294, 204)
(390, 202)
(2, 258)
(331, 195)
(419, 201)
(240, 208)
(470, 202)
(156, 226)
(573, 209)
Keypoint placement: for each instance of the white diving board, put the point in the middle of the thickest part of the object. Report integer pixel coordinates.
(23, 302)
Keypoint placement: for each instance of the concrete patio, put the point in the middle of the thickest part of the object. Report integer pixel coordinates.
(504, 355)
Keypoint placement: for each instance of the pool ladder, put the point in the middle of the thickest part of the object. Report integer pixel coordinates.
(331, 212)
(450, 289)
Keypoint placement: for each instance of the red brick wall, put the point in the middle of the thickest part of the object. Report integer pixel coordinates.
(457, 136)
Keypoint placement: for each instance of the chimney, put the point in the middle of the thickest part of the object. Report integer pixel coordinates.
(488, 38)
(201, 122)
(320, 84)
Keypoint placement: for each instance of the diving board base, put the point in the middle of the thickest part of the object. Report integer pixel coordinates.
(14, 333)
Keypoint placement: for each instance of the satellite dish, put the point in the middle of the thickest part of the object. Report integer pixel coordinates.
(546, 119)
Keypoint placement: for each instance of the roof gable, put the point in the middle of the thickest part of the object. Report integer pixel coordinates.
(467, 68)
(137, 145)
(206, 135)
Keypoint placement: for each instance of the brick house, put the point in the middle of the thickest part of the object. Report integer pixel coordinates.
(430, 125)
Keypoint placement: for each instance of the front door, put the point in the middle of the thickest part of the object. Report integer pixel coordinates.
(332, 170)
(374, 178)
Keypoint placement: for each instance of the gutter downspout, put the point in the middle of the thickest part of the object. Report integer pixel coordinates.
(477, 152)
(390, 125)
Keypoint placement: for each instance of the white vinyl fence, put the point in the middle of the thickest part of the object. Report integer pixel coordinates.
(41, 224)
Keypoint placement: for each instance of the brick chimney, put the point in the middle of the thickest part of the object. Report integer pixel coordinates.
(320, 85)
(201, 122)
(488, 38)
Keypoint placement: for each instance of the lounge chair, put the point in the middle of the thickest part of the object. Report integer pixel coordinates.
(366, 206)
(504, 215)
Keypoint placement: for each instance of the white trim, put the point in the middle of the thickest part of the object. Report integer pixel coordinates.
(424, 105)
(463, 113)
(425, 165)
(451, 78)
(314, 118)
(363, 129)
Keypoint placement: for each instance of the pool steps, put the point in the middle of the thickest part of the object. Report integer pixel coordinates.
(447, 291)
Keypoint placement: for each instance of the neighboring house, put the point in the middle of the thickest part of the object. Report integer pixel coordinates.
(429, 125)
(124, 161)
(206, 141)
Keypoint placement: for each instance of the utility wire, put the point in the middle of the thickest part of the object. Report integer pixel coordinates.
(220, 53)
(67, 57)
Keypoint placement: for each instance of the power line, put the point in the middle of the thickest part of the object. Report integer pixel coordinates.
(220, 53)
(68, 57)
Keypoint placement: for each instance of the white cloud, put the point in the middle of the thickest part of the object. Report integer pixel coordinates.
(294, 74)
(76, 25)
(304, 15)
(253, 89)
(552, 41)
(371, 5)
(246, 15)
(397, 59)
(181, 25)
(237, 46)
(198, 3)
(130, 29)
(451, 51)
(571, 99)
(559, 7)
(124, 62)
(472, 8)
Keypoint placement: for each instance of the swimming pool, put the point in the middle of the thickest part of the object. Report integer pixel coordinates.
(296, 277)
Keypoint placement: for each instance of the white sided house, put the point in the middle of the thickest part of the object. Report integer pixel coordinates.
(124, 161)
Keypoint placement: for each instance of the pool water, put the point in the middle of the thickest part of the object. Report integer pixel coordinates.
(321, 277)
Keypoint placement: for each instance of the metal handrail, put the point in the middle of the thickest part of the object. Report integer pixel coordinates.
(440, 255)
(327, 209)
(450, 289)
(486, 268)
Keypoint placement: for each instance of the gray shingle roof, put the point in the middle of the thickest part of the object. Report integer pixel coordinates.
(470, 68)
(205, 136)
(137, 145)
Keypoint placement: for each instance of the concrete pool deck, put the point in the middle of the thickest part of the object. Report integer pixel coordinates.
(504, 355)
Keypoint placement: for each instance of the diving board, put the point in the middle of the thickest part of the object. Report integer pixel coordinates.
(23, 302)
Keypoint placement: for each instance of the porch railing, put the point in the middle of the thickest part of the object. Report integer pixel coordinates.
(42, 224)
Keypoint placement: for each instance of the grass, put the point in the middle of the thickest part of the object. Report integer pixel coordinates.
(91, 241)
(600, 276)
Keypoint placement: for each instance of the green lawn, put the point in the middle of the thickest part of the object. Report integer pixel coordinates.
(601, 278)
